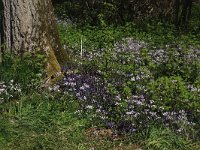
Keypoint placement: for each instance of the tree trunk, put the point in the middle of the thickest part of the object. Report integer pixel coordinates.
(30, 26)
(183, 12)
(1, 29)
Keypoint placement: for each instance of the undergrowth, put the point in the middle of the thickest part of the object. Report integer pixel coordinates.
(130, 87)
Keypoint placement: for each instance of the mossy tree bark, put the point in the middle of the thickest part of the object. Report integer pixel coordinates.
(30, 26)
(1, 28)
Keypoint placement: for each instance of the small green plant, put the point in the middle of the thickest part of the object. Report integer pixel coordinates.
(27, 71)
(170, 93)
(164, 138)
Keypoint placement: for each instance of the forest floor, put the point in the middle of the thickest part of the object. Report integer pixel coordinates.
(127, 87)
(39, 122)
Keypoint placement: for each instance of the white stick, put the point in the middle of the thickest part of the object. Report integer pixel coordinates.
(81, 46)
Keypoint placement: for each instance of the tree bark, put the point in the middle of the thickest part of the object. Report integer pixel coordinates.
(30, 26)
(1, 29)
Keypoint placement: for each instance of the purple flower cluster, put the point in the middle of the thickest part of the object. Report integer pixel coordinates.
(115, 90)
(159, 56)
(123, 114)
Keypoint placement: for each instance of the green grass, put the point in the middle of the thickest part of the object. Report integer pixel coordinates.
(164, 138)
(36, 120)
(41, 121)
(48, 120)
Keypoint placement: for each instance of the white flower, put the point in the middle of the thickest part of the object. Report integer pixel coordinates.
(89, 107)
(86, 85)
(2, 90)
(130, 112)
(82, 88)
(78, 94)
(133, 79)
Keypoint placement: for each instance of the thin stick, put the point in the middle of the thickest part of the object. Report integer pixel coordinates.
(81, 46)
